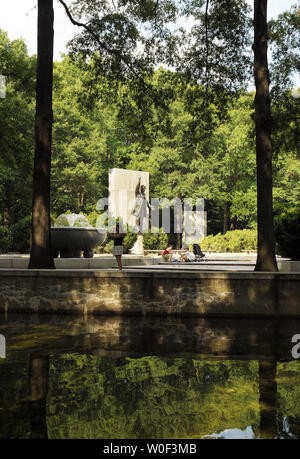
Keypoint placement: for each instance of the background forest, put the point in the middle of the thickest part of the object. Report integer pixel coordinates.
(195, 141)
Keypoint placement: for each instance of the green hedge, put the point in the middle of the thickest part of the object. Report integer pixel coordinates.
(232, 241)
(287, 234)
(106, 248)
(5, 239)
(128, 241)
(151, 241)
(155, 241)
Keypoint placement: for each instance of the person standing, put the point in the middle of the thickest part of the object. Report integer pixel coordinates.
(118, 246)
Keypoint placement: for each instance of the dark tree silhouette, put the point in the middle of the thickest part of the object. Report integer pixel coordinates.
(38, 371)
(40, 255)
(266, 260)
(268, 399)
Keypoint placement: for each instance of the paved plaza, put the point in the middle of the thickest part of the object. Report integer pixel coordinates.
(213, 262)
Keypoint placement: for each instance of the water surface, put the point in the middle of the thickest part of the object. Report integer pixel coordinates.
(69, 377)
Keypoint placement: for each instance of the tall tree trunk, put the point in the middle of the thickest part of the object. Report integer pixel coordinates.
(266, 260)
(39, 370)
(268, 399)
(178, 241)
(40, 255)
(226, 217)
(6, 217)
(80, 201)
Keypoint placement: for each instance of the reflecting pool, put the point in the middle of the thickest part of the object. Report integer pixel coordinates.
(131, 378)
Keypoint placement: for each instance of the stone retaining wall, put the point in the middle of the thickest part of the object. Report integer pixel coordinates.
(151, 293)
(106, 262)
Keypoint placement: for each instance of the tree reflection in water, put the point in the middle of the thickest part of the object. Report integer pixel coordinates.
(93, 382)
(267, 399)
(38, 381)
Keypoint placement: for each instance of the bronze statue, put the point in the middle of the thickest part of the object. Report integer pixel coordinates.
(141, 208)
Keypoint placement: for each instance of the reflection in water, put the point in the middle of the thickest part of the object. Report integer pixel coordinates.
(267, 399)
(234, 434)
(68, 378)
(38, 381)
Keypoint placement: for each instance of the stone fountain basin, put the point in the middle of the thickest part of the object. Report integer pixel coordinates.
(75, 239)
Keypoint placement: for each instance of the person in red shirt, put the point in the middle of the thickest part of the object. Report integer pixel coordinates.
(167, 253)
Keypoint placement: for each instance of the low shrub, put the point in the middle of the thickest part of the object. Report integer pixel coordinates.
(108, 247)
(287, 234)
(239, 240)
(5, 239)
(155, 241)
(92, 217)
(214, 243)
(232, 241)
(151, 241)
(129, 241)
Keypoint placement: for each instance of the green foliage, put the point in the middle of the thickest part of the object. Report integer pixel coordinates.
(52, 218)
(242, 240)
(5, 239)
(16, 129)
(81, 143)
(135, 30)
(285, 139)
(92, 217)
(153, 396)
(155, 241)
(217, 49)
(128, 241)
(21, 235)
(215, 243)
(288, 389)
(191, 129)
(284, 33)
(287, 233)
(108, 247)
(243, 208)
(149, 397)
(232, 241)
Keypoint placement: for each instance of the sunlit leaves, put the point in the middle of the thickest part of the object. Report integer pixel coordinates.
(285, 45)
(218, 47)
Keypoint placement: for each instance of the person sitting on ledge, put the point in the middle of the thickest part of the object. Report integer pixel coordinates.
(186, 256)
(167, 253)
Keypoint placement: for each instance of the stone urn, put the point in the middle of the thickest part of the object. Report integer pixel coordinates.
(73, 234)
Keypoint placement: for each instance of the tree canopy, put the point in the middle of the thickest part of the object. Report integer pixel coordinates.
(138, 91)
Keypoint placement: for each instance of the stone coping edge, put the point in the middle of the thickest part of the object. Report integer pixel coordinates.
(134, 273)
